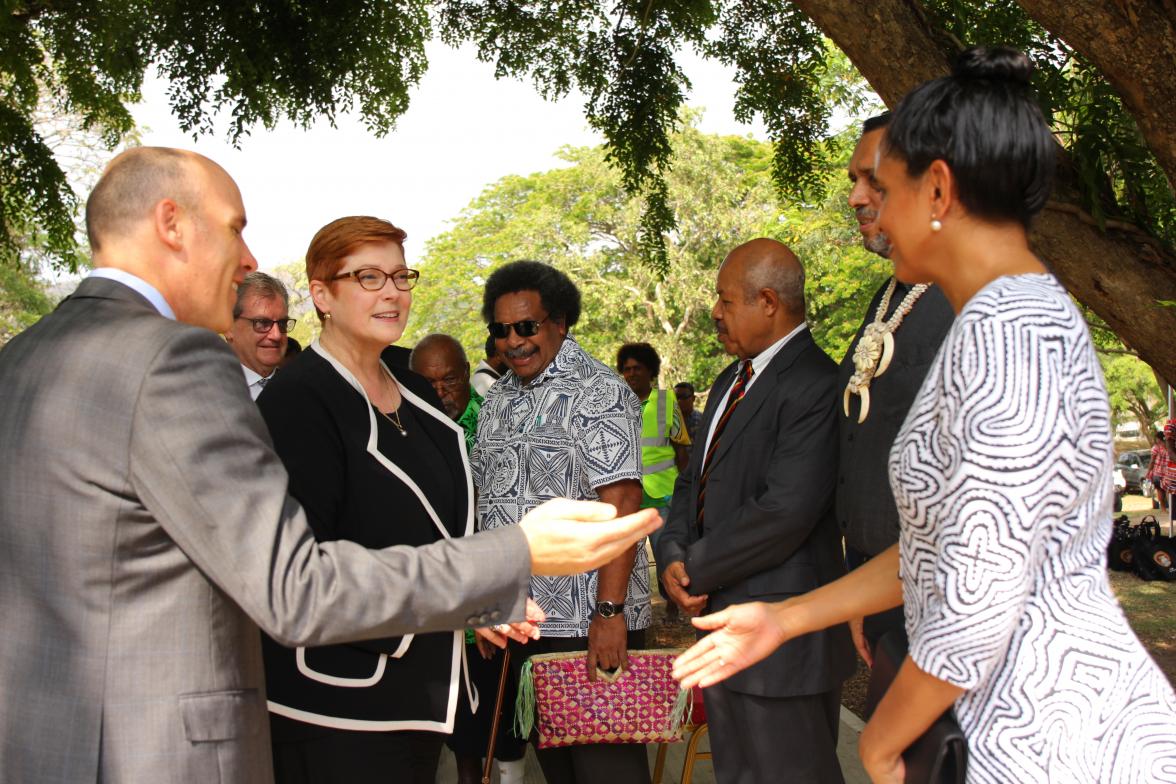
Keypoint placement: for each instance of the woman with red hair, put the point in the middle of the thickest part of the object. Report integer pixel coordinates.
(374, 459)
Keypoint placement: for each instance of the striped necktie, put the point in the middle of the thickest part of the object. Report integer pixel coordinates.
(738, 390)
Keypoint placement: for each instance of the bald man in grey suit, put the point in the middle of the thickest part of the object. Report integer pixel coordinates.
(145, 531)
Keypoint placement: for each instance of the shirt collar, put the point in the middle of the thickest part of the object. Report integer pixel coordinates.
(559, 365)
(137, 284)
(760, 362)
(252, 377)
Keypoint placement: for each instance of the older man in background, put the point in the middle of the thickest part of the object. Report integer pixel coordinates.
(442, 360)
(261, 320)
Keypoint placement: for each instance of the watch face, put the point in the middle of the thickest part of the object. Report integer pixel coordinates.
(608, 609)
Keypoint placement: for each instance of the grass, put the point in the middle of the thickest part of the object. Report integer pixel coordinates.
(1150, 606)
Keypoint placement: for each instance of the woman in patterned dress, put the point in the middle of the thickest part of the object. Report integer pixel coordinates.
(1001, 473)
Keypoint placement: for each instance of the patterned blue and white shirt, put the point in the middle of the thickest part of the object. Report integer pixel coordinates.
(575, 428)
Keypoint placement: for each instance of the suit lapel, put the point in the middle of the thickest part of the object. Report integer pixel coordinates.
(761, 390)
(441, 428)
(373, 448)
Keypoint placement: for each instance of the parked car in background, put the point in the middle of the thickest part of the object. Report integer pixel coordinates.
(1134, 467)
(1120, 487)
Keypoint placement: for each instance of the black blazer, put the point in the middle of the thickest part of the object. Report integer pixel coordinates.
(321, 423)
(769, 530)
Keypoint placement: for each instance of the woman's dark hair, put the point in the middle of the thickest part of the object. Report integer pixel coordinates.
(557, 294)
(643, 353)
(985, 123)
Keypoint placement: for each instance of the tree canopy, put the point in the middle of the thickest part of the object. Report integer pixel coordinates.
(1103, 79)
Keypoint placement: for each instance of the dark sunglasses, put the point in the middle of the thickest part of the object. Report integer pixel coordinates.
(264, 325)
(500, 330)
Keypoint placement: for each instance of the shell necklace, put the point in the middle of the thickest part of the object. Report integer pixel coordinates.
(877, 342)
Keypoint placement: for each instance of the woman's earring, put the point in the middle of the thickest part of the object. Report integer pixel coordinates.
(935, 224)
(326, 316)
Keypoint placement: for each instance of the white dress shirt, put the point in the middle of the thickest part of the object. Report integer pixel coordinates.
(256, 382)
(138, 285)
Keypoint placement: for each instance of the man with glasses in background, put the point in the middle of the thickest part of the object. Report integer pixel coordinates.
(261, 319)
(561, 423)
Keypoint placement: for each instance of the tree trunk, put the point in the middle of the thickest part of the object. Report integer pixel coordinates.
(1133, 44)
(1120, 273)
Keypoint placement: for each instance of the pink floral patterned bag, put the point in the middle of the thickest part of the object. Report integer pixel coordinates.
(642, 704)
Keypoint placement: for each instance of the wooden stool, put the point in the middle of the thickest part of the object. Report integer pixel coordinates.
(697, 733)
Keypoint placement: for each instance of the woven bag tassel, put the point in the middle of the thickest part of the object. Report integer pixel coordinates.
(683, 708)
(524, 718)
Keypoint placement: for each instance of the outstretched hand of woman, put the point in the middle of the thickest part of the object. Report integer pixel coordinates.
(741, 635)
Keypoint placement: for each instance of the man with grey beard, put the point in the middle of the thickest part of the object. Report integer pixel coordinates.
(878, 379)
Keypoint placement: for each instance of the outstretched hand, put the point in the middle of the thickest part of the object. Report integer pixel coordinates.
(741, 635)
(570, 537)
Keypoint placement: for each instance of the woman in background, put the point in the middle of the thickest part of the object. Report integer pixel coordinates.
(1001, 473)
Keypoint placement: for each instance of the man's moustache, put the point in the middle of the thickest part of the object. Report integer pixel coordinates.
(520, 353)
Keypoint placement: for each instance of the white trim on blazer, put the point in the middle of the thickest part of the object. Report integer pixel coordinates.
(459, 654)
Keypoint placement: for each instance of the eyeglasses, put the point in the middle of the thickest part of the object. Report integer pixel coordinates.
(451, 383)
(374, 279)
(264, 325)
(500, 330)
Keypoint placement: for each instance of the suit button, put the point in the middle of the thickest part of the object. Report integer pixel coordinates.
(841, 481)
(494, 616)
(472, 621)
(851, 436)
(483, 619)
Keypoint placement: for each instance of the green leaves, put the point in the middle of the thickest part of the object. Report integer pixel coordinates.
(583, 220)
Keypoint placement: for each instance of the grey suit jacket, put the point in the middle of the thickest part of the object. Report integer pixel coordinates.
(146, 534)
(769, 531)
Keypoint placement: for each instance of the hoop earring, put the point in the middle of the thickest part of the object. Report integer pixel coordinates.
(936, 225)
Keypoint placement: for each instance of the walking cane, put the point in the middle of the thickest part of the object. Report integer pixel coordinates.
(497, 716)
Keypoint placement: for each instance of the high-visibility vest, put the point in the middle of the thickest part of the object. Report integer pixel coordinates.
(658, 471)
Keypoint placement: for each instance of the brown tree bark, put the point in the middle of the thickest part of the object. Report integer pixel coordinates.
(1133, 44)
(1120, 272)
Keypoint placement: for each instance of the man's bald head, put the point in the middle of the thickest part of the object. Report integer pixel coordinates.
(765, 263)
(134, 182)
(760, 296)
(175, 220)
(442, 360)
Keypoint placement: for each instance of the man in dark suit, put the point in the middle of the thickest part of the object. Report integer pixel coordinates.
(145, 529)
(875, 393)
(751, 519)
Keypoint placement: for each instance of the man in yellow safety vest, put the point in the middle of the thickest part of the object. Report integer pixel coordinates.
(665, 442)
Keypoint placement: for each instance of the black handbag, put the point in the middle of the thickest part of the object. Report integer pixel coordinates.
(1154, 554)
(1120, 554)
(939, 755)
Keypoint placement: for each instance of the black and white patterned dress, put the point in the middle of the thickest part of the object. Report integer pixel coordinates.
(1002, 473)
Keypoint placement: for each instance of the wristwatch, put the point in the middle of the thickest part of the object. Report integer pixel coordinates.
(609, 609)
